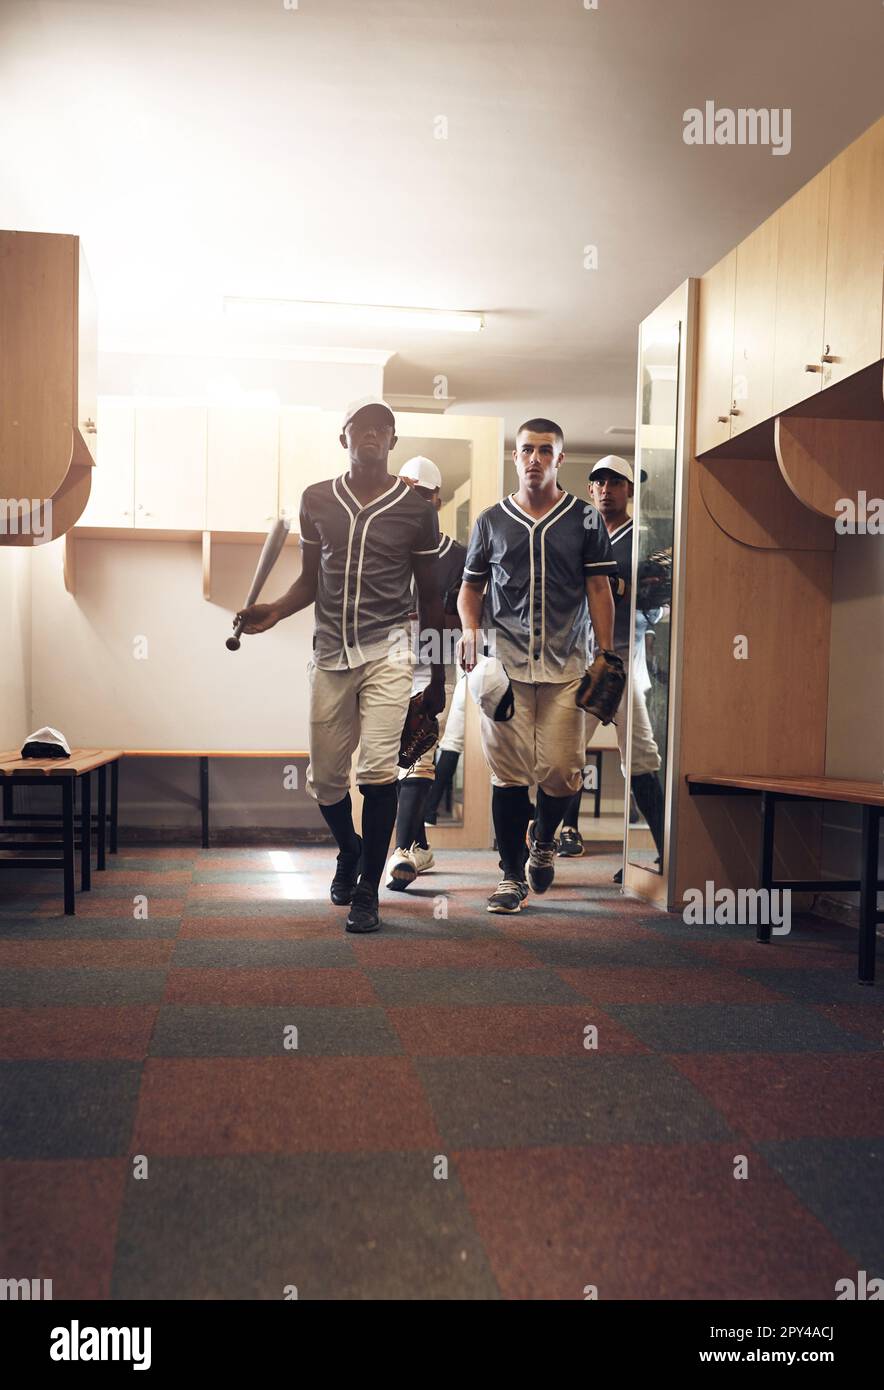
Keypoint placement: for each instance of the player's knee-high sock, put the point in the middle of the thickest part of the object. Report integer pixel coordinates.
(571, 818)
(378, 819)
(649, 797)
(339, 819)
(550, 810)
(413, 793)
(446, 766)
(511, 812)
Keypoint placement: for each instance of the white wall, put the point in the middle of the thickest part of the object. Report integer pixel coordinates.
(855, 732)
(15, 645)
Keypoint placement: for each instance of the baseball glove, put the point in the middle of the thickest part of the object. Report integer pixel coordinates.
(601, 689)
(655, 581)
(419, 732)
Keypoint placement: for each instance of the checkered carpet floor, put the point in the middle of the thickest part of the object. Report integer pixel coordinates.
(440, 1129)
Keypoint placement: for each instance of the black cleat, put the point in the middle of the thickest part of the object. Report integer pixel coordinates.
(570, 843)
(363, 914)
(508, 896)
(541, 863)
(346, 876)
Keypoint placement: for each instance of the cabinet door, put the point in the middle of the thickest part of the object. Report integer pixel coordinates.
(242, 468)
(855, 271)
(87, 355)
(754, 309)
(309, 450)
(170, 467)
(715, 354)
(801, 293)
(112, 498)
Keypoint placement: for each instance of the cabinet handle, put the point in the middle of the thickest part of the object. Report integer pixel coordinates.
(813, 367)
(723, 419)
(733, 411)
(90, 426)
(828, 356)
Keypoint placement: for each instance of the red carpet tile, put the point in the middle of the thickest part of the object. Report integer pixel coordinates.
(79, 952)
(285, 1105)
(682, 984)
(89, 905)
(268, 985)
(455, 954)
(867, 1020)
(521, 1030)
(791, 1096)
(77, 1034)
(779, 953)
(59, 1222)
(645, 1222)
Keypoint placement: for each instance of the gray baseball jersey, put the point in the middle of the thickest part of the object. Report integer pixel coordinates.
(535, 601)
(363, 593)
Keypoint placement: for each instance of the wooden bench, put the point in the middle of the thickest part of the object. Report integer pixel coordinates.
(868, 795)
(64, 773)
(204, 754)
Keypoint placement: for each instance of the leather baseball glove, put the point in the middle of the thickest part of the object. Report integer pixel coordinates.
(601, 689)
(419, 732)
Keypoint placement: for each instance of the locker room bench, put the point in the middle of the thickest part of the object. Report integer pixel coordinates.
(204, 754)
(868, 795)
(63, 773)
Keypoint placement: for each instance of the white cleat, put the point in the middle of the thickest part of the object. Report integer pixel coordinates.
(401, 870)
(421, 858)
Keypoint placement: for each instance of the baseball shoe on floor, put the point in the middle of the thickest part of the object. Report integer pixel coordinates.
(363, 914)
(346, 875)
(570, 843)
(541, 862)
(508, 896)
(401, 870)
(422, 858)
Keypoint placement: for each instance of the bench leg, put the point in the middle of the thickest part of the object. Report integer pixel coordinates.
(115, 788)
(768, 803)
(86, 831)
(67, 836)
(868, 894)
(204, 800)
(102, 814)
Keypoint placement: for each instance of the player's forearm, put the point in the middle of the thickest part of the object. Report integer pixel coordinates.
(300, 595)
(469, 607)
(601, 611)
(432, 619)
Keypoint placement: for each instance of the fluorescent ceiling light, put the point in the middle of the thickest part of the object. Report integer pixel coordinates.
(352, 315)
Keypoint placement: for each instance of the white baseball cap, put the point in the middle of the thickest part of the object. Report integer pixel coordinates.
(491, 689)
(613, 463)
(46, 743)
(423, 471)
(354, 408)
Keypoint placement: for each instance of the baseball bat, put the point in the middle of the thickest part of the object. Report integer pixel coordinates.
(276, 539)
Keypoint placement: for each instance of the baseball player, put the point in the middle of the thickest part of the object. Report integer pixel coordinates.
(363, 536)
(534, 562)
(413, 854)
(610, 488)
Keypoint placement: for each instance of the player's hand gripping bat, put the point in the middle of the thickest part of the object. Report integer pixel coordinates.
(276, 539)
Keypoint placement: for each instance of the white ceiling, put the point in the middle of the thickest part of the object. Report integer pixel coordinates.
(203, 148)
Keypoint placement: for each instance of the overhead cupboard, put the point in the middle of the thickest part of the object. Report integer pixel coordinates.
(798, 306)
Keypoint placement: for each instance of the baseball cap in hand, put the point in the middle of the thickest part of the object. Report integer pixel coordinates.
(491, 689)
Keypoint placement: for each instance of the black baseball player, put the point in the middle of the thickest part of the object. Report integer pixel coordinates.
(363, 536)
(539, 557)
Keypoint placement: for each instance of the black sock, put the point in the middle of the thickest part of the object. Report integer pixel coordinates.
(550, 810)
(571, 818)
(446, 766)
(511, 812)
(413, 793)
(339, 819)
(649, 797)
(378, 819)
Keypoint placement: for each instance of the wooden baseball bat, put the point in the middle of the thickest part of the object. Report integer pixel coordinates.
(276, 539)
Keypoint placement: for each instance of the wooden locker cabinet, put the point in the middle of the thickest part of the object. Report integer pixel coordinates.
(715, 355)
(242, 479)
(48, 374)
(112, 499)
(801, 294)
(754, 309)
(855, 263)
(309, 450)
(170, 467)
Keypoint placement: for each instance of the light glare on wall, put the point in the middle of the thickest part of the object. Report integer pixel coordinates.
(331, 315)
